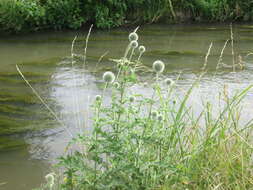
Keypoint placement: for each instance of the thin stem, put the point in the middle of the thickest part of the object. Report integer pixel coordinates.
(43, 101)
(232, 46)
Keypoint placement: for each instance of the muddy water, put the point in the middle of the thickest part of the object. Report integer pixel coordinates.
(30, 138)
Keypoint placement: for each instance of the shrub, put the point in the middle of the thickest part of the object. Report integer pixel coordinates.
(105, 14)
(64, 14)
(21, 15)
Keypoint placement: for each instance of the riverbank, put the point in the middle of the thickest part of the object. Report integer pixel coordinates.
(32, 15)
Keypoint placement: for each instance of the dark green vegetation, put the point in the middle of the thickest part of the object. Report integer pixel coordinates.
(30, 15)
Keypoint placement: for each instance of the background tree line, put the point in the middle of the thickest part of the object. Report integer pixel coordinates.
(31, 15)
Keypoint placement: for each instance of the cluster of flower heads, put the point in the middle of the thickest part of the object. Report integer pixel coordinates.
(133, 38)
(158, 67)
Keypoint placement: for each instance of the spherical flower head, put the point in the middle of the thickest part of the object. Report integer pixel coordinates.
(134, 44)
(154, 114)
(116, 85)
(50, 179)
(158, 66)
(131, 99)
(109, 77)
(160, 118)
(98, 98)
(133, 36)
(142, 49)
(169, 81)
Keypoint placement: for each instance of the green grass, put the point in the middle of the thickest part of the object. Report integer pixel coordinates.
(158, 142)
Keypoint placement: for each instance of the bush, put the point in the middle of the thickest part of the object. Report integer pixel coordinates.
(64, 14)
(105, 14)
(21, 15)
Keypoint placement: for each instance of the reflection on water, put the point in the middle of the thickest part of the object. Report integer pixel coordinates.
(35, 139)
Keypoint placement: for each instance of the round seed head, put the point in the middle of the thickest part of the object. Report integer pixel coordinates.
(131, 99)
(98, 98)
(160, 118)
(133, 36)
(154, 114)
(142, 49)
(134, 44)
(109, 77)
(169, 81)
(50, 179)
(116, 84)
(145, 84)
(158, 66)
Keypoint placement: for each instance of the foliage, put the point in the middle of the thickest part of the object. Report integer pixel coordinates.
(23, 15)
(221, 10)
(140, 141)
(64, 13)
(106, 14)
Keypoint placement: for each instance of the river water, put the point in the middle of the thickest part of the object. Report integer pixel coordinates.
(31, 139)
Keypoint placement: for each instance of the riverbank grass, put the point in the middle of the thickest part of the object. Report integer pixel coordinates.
(156, 141)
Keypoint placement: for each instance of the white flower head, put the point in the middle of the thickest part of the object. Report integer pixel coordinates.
(158, 66)
(98, 98)
(142, 49)
(133, 36)
(108, 77)
(116, 85)
(169, 81)
(50, 179)
(134, 44)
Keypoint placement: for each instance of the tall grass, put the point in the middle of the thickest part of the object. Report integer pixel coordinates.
(158, 142)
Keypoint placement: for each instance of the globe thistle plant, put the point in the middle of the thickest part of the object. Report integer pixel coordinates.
(158, 66)
(108, 77)
(133, 36)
